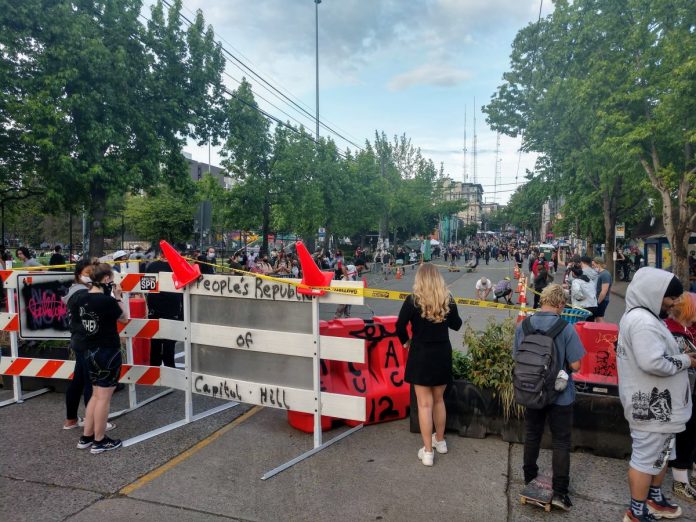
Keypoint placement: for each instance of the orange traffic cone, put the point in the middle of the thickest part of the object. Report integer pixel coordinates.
(398, 273)
(183, 272)
(311, 275)
(521, 316)
(364, 280)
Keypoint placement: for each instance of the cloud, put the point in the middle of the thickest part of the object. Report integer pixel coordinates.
(429, 74)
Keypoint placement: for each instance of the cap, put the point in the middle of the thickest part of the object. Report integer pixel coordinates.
(507, 278)
(675, 288)
(120, 253)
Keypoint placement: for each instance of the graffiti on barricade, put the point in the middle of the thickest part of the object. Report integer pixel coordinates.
(44, 307)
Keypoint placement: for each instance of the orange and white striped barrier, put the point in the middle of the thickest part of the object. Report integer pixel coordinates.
(63, 369)
(138, 282)
(522, 314)
(9, 322)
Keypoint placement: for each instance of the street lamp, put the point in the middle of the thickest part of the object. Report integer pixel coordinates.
(316, 19)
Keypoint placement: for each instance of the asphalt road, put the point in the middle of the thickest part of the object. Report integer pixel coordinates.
(211, 469)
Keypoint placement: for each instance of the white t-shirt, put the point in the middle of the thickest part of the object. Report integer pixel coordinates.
(483, 285)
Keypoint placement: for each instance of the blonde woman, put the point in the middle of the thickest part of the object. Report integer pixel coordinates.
(430, 311)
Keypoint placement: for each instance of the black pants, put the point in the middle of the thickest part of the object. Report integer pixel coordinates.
(685, 446)
(162, 352)
(561, 424)
(80, 386)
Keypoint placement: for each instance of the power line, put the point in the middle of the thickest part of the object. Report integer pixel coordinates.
(243, 66)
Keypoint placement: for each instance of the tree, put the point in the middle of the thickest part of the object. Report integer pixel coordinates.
(163, 214)
(104, 104)
(249, 156)
(601, 87)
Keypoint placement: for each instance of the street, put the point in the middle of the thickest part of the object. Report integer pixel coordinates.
(211, 469)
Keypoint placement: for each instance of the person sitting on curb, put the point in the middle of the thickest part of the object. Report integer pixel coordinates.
(503, 289)
(483, 288)
(653, 388)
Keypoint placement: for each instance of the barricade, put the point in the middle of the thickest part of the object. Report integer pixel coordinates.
(380, 379)
(141, 346)
(598, 372)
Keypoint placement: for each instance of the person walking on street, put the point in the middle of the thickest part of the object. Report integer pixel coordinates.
(558, 408)
(430, 311)
(653, 388)
(99, 313)
(604, 283)
(541, 281)
(583, 292)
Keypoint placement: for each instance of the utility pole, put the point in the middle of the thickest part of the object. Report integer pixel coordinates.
(497, 175)
(475, 176)
(316, 20)
(464, 176)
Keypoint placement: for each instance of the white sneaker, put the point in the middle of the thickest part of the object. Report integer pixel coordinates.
(426, 457)
(439, 445)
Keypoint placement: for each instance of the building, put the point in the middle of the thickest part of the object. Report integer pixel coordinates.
(472, 193)
(198, 169)
(489, 208)
(550, 213)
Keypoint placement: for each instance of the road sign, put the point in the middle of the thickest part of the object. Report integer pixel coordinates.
(620, 231)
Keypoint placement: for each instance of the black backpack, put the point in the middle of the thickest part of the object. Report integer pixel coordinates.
(536, 366)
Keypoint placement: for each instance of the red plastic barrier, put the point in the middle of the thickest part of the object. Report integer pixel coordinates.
(380, 379)
(598, 366)
(305, 421)
(141, 347)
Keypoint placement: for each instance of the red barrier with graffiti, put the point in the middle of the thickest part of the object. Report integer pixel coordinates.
(380, 380)
(141, 347)
(598, 366)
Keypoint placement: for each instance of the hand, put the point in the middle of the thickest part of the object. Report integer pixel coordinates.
(117, 291)
(692, 359)
(407, 344)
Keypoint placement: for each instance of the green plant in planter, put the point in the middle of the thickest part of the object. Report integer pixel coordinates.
(490, 361)
(461, 365)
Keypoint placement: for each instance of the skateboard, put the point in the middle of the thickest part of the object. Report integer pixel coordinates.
(538, 493)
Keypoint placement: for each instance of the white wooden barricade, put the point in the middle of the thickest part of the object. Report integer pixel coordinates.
(229, 348)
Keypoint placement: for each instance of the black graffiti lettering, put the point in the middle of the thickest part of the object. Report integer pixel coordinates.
(389, 411)
(603, 366)
(393, 380)
(258, 294)
(206, 284)
(371, 417)
(391, 354)
(196, 384)
(216, 286)
(362, 388)
(264, 395)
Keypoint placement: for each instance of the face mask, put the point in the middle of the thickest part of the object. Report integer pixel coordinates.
(211, 255)
(107, 287)
(85, 279)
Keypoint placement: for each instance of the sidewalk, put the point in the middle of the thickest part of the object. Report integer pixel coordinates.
(373, 474)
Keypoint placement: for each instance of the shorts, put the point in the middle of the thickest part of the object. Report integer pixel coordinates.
(601, 308)
(104, 365)
(650, 451)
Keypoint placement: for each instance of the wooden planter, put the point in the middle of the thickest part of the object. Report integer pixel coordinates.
(598, 425)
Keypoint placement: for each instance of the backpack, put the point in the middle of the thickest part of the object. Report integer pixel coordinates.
(536, 366)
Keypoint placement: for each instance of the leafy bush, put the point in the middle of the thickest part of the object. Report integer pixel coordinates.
(461, 365)
(490, 361)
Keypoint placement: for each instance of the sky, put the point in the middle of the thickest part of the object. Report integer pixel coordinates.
(398, 66)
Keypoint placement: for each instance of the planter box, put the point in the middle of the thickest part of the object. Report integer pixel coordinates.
(598, 425)
(32, 350)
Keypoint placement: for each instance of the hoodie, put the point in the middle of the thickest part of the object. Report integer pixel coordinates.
(582, 292)
(653, 377)
(77, 331)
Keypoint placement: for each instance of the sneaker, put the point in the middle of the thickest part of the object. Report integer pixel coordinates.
(664, 509)
(684, 490)
(426, 457)
(439, 445)
(646, 517)
(85, 442)
(106, 444)
(77, 424)
(561, 501)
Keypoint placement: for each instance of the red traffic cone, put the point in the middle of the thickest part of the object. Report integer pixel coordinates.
(311, 275)
(364, 280)
(183, 272)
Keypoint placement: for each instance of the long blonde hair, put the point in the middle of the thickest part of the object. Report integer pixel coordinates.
(430, 293)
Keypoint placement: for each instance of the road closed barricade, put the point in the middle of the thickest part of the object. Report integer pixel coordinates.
(380, 379)
(598, 367)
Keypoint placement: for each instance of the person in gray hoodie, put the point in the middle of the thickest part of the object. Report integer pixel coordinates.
(654, 389)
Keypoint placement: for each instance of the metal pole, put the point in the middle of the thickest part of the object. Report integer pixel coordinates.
(188, 401)
(14, 342)
(316, 19)
(316, 372)
(70, 239)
